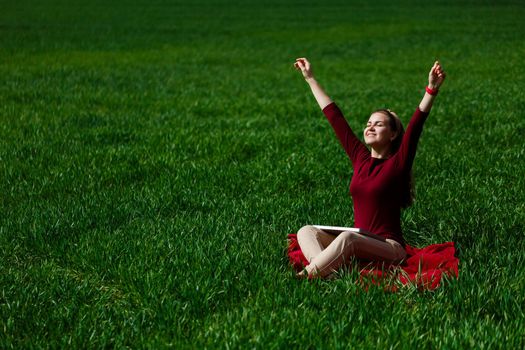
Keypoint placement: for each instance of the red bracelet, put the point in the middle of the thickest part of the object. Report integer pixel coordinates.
(432, 92)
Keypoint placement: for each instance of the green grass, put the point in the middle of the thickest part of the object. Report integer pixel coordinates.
(154, 156)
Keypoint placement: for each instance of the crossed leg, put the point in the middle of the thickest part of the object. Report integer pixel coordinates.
(326, 252)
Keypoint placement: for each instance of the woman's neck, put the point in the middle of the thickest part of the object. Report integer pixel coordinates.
(380, 154)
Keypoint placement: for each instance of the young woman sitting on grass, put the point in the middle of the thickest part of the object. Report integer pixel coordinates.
(381, 185)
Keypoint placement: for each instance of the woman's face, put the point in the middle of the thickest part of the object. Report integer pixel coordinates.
(377, 131)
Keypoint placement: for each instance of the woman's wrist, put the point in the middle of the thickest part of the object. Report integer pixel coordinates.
(310, 80)
(432, 89)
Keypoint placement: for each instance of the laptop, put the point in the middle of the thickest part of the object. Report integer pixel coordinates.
(335, 230)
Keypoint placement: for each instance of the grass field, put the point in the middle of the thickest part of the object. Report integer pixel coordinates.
(154, 156)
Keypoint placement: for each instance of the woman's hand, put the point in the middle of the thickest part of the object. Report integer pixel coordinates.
(303, 65)
(321, 97)
(435, 79)
(436, 76)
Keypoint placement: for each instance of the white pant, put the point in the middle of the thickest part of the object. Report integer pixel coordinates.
(327, 252)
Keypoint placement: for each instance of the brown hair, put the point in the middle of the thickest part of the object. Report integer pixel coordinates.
(408, 195)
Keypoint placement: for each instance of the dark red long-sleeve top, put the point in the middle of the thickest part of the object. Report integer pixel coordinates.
(377, 184)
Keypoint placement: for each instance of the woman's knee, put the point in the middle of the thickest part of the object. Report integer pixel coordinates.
(306, 231)
(348, 241)
(400, 252)
(349, 237)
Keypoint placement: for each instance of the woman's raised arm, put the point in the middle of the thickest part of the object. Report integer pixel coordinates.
(355, 149)
(435, 79)
(407, 150)
(322, 98)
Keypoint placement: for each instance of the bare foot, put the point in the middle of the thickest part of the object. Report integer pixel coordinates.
(302, 274)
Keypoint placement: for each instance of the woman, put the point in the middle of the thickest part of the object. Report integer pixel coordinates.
(381, 184)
